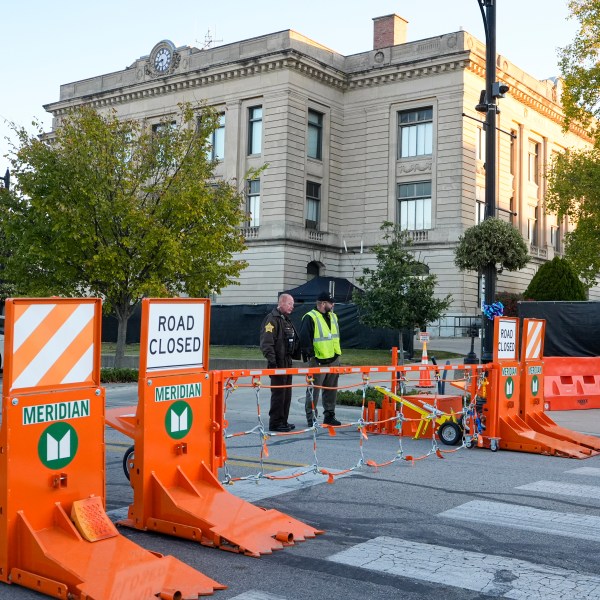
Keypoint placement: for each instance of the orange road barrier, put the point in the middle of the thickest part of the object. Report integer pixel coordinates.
(55, 537)
(571, 382)
(176, 436)
(425, 374)
(505, 428)
(532, 389)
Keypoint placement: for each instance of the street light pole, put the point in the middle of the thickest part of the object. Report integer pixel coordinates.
(489, 22)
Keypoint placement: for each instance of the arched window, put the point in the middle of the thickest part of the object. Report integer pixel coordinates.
(313, 270)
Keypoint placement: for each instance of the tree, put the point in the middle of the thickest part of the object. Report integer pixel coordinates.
(491, 242)
(398, 294)
(112, 208)
(580, 68)
(574, 192)
(555, 280)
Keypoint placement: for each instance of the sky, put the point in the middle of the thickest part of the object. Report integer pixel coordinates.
(45, 44)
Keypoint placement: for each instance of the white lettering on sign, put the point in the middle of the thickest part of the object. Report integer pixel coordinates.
(175, 335)
(509, 371)
(507, 339)
(60, 411)
(535, 370)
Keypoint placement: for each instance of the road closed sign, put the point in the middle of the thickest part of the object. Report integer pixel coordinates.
(175, 334)
(505, 338)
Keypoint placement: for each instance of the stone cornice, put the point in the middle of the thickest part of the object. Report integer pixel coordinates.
(528, 97)
(314, 69)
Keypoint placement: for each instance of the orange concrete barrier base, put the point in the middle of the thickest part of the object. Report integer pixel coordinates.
(516, 434)
(200, 509)
(59, 562)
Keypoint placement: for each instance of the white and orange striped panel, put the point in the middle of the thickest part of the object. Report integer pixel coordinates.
(534, 339)
(52, 343)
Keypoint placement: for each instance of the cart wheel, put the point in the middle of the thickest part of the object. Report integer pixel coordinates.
(469, 443)
(494, 445)
(128, 461)
(450, 433)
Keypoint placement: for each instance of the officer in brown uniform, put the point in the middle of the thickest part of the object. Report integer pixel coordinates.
(280, 343)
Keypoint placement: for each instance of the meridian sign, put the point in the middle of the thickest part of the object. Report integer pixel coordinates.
(175, 332)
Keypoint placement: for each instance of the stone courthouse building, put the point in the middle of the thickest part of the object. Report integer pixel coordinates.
(389, 134)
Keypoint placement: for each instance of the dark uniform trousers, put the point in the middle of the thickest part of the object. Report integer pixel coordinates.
(281, 398)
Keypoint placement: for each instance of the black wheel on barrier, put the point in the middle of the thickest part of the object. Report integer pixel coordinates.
(128, 461)
(450, 433)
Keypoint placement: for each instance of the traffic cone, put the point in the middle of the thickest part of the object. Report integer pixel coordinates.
(424, 375)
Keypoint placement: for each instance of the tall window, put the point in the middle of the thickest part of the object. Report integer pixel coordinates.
(534, 162)
(313, 204)
(160, 133)
(217, 140)
(555, 237)
(415, 132)
(315, 134)
(480, 144)
(254, 129)
(532, 226)
(414, 205)
(253, 203)
(479, 204)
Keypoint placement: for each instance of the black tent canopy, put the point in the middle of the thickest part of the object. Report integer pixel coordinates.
(339, 287)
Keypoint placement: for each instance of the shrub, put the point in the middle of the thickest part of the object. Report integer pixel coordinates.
(509, 300)
(491, 242)
(118, 375)
(556, 280)
(355, 398)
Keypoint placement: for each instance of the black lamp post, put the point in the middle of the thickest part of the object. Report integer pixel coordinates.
(492, 91)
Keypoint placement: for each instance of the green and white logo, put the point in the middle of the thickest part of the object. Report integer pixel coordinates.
(509, 387)
(58, 445)
(178, 420)
(535, 385)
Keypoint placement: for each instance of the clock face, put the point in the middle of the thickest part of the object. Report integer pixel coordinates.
(162, 60)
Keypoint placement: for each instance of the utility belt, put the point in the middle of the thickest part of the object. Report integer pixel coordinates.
(326, 361)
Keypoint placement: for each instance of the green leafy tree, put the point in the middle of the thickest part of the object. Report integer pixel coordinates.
(574, 192)
(580, 68)
(555, 280)
(574, 178)
(491, 242)
(112, 208)
(399, 293)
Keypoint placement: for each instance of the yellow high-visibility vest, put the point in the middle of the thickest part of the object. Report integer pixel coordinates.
(326, 342)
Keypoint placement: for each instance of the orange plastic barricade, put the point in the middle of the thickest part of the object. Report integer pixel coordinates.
(55, 537)
(532, 390)
(175, 431)
(513, 432)
(571, 382)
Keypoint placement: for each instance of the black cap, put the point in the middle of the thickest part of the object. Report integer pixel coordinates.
(325, 297)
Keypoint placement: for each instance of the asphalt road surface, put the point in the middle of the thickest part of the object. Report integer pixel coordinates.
(475, 524)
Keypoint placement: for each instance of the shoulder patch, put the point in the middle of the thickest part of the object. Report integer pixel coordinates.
(269, 327)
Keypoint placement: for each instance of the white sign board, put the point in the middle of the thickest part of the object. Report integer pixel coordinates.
(507, 339)
(423, 336)
(175, 336)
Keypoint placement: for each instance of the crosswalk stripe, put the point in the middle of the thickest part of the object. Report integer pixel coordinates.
(549, 522)
(267, 488)
(589, 471)
(562, 489)
(484, 573)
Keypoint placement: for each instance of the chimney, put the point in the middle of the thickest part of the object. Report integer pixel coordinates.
(388, 31)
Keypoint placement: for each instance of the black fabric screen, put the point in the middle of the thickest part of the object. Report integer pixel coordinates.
(572, 328)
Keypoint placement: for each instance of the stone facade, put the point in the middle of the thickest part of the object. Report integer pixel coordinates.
(330, 130)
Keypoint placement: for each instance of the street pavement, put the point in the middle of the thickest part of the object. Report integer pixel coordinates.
(474, 524)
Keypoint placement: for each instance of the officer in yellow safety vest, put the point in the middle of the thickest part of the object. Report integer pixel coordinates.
(320, 344)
